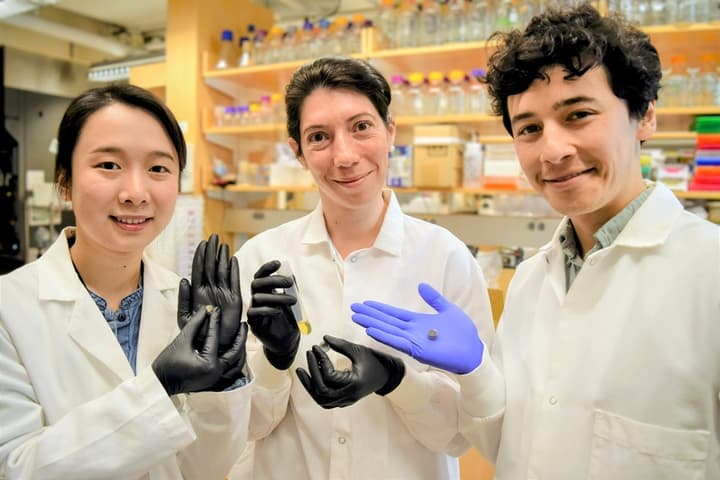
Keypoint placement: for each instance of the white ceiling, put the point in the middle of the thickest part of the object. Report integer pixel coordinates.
(136, 15)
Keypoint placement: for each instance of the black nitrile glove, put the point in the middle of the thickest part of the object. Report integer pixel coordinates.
(270, 317)
(215, 282)
(372, 372)
(182, 369)
(232, 362)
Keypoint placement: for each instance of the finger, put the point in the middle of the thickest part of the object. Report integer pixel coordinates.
(212, 340)
(211, 259)
(235, 276)
(267, 268)
(184, 302)
(223, 272)
(304, 378)
(196, 322)
(316, 376)
(273, 300)
(271, 283)
(344, 347)
(399, 343)
(399, 313)
(237, 351)
(331, 377)
(433, 298)
(378, 324)
(383, 316)
(198, 261)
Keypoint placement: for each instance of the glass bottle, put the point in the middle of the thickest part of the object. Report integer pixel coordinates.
(226, 57)
(416, 94)
(456, 92)
(398, 102)
(436, 96)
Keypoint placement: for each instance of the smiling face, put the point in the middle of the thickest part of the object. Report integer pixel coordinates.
(345, 145)
(124, 184)
(578, 145)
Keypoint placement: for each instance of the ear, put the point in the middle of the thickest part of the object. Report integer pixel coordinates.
(296, 150)
(648, 123)
(391, 134)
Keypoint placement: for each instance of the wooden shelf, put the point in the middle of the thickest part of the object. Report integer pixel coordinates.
(698, 195)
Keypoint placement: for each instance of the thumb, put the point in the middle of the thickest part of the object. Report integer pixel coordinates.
(433, 298)
(348, 349)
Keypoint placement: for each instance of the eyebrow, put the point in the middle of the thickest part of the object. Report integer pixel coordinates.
(556, 106)
(116, 150)
(351, 119)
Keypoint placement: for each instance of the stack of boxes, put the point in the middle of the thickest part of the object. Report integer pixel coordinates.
(707, 155)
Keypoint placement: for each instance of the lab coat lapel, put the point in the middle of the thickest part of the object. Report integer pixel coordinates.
(58, 281)
(91, 331)
(159, 312)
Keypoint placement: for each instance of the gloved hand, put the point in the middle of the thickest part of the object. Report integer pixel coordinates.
(215, 282)
(182, 369)
(448, 340)
(372, 371)
(270, 317)
(232, 361)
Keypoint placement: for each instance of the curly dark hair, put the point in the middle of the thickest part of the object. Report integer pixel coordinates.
(334, 73)
(576, 39)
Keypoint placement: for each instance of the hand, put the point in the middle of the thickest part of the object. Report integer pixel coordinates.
(182, 369)
(270, 317)
(215, 282)
(232, 362)
(448, 339)
(372, 372)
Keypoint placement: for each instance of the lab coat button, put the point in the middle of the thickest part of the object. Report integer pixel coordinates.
(341, 440)
(353, 259)
(593, 261)
(553, 400)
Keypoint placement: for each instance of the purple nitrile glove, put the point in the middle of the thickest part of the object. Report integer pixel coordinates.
(447, 340)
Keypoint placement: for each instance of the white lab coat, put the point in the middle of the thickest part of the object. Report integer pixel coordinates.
(70, 405)
(619, 377)
(403, 435)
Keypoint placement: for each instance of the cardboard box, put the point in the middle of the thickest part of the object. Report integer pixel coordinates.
(436, 135)
(437, 166)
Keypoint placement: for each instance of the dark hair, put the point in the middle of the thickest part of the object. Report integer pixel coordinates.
(576, 39)
(93, 100)
(334, 73)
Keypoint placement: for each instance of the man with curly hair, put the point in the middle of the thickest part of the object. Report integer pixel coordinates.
(605, 363)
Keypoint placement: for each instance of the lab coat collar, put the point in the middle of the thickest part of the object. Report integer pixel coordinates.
(653, 221)
(390, 236)
(58, 281)
(649, 226)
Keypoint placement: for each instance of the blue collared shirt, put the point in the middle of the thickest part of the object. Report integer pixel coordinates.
(124, 322)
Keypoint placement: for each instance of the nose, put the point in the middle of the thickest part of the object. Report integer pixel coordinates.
(344, 154)
(557, 144)
(134, 188)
